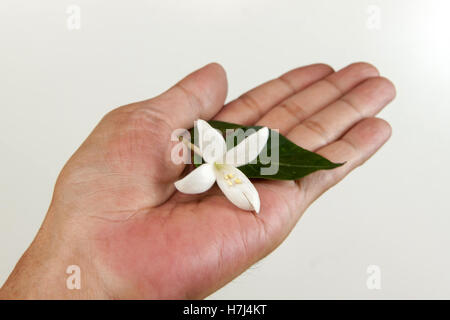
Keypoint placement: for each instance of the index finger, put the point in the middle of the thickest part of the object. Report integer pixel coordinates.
(254, 104)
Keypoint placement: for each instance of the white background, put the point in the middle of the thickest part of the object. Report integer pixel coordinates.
(55, 85)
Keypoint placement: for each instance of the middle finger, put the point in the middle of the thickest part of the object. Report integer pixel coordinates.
(303, 104)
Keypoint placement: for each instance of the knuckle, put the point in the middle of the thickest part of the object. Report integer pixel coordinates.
(317, 128)
(148, 119)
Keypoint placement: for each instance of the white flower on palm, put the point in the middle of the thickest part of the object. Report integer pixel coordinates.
(221, 166)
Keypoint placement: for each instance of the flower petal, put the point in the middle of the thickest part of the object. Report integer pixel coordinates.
(211, 143)
(238, 188)
(248, 150)
(197, 181)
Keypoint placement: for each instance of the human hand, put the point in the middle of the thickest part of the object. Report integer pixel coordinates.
(115, 211)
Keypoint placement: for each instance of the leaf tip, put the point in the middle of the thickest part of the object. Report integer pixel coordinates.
(338, 164)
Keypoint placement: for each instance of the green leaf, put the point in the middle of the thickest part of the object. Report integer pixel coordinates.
(293, 161)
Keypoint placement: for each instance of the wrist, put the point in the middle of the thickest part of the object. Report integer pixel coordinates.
(55, 266)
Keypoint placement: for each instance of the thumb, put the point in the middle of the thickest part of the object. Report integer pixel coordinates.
(201, 94)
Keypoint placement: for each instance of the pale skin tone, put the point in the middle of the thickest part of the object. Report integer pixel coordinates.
(115, 212)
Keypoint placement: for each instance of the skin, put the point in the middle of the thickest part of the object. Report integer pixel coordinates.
(115, 212)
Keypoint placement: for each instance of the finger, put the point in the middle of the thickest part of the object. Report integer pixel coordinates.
(251, 106)
(323, 127)
(354, 148)
(308, 101)
(200, 95)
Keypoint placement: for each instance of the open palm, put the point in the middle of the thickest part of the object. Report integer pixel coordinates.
(143, 239)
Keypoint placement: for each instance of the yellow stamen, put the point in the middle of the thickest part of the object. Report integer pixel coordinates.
(237, 180)
(229, 183)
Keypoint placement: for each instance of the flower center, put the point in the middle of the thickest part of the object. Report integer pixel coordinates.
(229, 177)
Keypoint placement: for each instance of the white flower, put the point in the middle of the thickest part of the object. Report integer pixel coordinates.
(221, 166)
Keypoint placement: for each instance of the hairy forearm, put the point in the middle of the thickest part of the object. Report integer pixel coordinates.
(42, 271)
